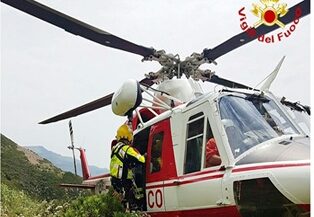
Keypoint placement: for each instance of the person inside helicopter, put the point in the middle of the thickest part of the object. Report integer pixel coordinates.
(156, 161)
(123, 158)
(212, 154)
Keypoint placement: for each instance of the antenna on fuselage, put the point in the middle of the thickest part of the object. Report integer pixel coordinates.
(271, 77)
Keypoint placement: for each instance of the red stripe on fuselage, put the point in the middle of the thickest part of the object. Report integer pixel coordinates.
(206, 171)
(177, 182)
(269, 167)
(227, 211)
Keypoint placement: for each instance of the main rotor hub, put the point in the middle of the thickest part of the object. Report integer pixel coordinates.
(172, 66)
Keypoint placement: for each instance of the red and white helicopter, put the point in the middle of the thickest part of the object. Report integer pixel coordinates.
(260, 161)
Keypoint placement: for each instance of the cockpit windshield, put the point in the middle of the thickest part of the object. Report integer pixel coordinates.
(250, 120)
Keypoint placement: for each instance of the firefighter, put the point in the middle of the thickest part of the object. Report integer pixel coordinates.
(123, 155)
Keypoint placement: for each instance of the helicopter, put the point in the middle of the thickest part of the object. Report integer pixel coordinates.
(257, 159)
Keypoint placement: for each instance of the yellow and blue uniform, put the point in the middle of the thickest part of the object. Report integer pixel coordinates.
(122, 155)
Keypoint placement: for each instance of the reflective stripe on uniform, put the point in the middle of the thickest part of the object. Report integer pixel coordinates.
(116, 165)
(118, 155)
(133, 152)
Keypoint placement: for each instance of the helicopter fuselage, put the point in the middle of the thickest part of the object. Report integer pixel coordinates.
(264, 157)
(225, 153)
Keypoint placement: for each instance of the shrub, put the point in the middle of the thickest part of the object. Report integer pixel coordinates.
(16, 203)
(105, 205)
(94, 206)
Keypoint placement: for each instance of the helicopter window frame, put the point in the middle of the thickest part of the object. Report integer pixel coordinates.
(194, 143)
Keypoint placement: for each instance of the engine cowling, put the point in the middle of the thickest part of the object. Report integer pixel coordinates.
(181, 89)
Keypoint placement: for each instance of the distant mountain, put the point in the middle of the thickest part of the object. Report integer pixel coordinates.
(63, 162)
(23, 170)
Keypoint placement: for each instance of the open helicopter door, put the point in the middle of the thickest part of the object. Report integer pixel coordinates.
(160, 165)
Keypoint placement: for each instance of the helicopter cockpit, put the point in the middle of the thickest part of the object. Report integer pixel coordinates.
(250, 120)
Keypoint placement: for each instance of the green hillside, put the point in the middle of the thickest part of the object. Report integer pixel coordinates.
(65, 163)
(25, 171)
(29, 187)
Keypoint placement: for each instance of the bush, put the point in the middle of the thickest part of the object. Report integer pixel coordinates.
(16, 203)
(105, 205)
(94, 206)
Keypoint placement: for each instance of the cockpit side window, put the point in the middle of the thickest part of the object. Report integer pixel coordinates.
(156, 158)
(194, 143)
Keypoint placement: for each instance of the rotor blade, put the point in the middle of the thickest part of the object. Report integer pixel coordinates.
(99, 103)
(91, 106)
(77, 27)
(227, 83)
(295, 12)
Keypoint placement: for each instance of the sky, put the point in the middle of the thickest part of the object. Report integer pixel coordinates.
(46, 70)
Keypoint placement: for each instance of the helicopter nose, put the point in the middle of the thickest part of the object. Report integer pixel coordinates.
(294, 183)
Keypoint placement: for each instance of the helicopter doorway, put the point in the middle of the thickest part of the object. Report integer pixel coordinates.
(160, 166)
(139, 171)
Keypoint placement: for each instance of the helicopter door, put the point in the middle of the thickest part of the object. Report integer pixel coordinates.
(159, 165)
(201, 179)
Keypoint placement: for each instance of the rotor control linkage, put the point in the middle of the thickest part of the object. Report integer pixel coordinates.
(172, 66)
